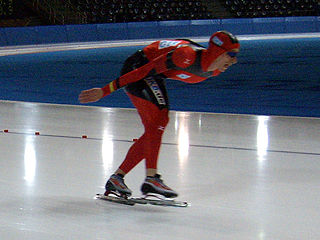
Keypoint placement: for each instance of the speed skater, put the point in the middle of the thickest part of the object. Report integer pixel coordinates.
(143, 77)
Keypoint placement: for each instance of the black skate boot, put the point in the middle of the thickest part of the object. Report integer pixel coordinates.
(116, 185)
(155, 185)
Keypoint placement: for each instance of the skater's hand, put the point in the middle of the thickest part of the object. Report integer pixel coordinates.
(91, 95)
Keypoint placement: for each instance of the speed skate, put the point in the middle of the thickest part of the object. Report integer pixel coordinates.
(152, 199)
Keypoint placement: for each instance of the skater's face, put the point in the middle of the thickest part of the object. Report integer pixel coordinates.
(224, 61)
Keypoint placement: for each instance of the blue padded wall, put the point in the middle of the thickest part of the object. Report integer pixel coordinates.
(81, 33)
(143, 30)
(3, 38)
(51, 34)
(199, 28)
(153, 30)
(174, 28)
(114, 31)
(21, 36)
(269, 25)
(301, 24)
(238, 26)
(272, 77)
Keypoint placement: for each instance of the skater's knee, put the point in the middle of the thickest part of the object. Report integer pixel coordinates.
(157, 121)
(163, 121)
(158, 124)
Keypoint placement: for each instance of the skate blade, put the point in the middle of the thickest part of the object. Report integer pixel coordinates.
(159, 200)
(115, 198)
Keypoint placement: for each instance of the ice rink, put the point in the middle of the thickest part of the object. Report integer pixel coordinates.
(247, 177)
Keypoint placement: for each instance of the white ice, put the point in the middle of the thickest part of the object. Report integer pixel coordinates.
(246, 177)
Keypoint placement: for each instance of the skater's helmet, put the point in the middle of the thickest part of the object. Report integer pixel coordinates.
(219, 43)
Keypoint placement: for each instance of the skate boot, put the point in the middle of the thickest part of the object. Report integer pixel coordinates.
(155, 185)
(116, 185)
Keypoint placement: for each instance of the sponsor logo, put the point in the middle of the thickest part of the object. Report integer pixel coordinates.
(161, 128)
(183, 76)
(187, 61)
(156, 91)
(217, 41)
(166, 44)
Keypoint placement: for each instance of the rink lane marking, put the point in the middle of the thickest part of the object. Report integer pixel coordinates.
(85, 137)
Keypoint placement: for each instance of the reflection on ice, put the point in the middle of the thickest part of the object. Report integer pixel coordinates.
(262, 137)
(30, 161)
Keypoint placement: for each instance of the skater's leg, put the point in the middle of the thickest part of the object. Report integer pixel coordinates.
(141, 90)
(133, 157)
(148, 145)
(155, 121)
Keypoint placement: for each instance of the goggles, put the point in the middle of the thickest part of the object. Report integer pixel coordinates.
(232, 54)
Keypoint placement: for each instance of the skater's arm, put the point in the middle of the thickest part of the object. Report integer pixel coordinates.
(95, 94)
(180, 57)
(129, 77)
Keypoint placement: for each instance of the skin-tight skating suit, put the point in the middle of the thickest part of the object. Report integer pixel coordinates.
(143, 76)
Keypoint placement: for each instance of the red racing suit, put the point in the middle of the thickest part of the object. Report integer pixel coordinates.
(143, 76)
(174, 59)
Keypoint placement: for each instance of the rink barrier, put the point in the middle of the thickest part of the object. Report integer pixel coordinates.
(153, 30)
(275, 75)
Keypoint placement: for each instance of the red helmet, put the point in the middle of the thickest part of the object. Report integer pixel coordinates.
(219, 43)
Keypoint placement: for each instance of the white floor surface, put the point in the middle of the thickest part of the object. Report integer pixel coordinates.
(246, 177)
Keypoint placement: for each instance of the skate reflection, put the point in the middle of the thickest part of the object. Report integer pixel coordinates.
(30, 161)
(183, 138)
(107, 152)
(262, 138)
